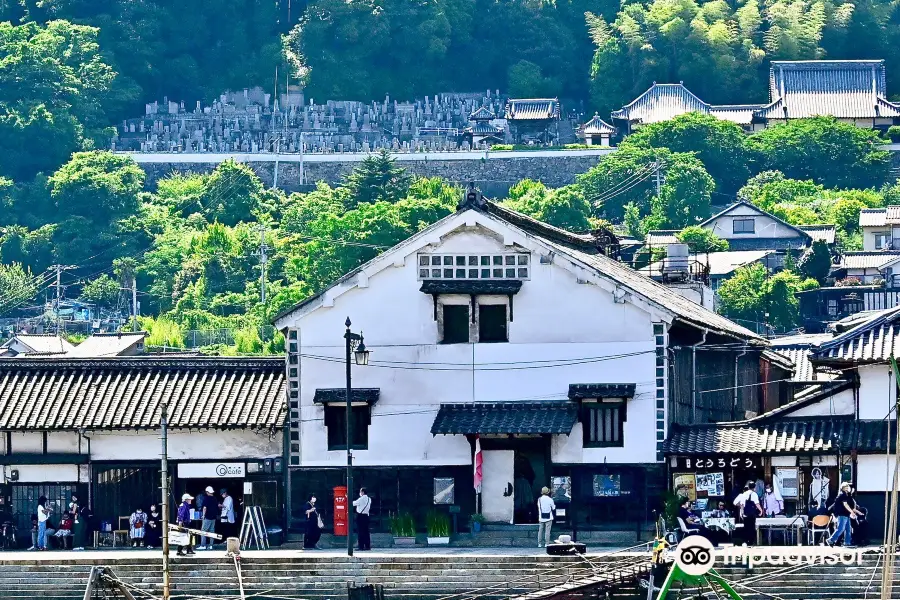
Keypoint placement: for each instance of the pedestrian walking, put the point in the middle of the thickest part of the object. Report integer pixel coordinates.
(153, 534)
(43, 513)
(363, 504)
(227, 518)
(844, 508)
(79, 524)
(210, 514)
(313, 529)
(546, 509)
(184, 520)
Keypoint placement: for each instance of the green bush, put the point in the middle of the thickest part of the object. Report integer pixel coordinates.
(403, 525)
(438, 524)
(893, 131)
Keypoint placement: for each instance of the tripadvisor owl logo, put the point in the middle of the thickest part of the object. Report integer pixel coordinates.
(695, 555)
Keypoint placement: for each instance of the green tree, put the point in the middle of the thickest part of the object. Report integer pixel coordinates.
(720, 145)
(377, 178)
(526, 80)
(16, 286)
(771, 187)
(700, 239)
(816, 262)
(53, 84)
(233, 193)
(633, 225)
(750, 294)
(564, 207)
(684, 198)
(825, 150)
(102, 291)
(99, 186)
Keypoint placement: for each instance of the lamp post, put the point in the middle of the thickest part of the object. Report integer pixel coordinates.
(355, 345)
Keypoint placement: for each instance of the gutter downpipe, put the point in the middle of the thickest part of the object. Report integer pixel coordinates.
(736, 361)
(694, 376)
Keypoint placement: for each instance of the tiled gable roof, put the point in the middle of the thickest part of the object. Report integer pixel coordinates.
(532, 109)
(873, 341)
(839, 88)
(785, 436)
(597, 126)
(541, 417)
(660, 103)
(662, 237)
(107, 344)
(879, 217)
(825, 233)
(42, 343)
(871, 259)
(482, 114)
(127, 393)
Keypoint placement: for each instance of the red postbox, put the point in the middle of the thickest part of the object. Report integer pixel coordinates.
(340, 510)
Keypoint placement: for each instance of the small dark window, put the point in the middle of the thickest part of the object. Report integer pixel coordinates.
(492, 323)
(603, 424)
(744, 225)
(456, 324)
(336, 422)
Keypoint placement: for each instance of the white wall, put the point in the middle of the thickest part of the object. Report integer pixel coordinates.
(29, 443)
(185, 445)
(765, 227)
(876, 391)
(842, 403)
(554, 317)
(869, 236)
(874, 472)
(44, 473)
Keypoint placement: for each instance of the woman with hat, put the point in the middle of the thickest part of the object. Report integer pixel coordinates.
(546, 507)
(844, 508)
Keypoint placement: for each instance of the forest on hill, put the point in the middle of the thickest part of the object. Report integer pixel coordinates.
(71, 68)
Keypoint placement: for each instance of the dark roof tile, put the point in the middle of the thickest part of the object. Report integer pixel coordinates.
(541, 417)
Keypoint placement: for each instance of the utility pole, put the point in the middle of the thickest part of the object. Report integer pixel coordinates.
(164, 477)
(59, 269)
(658, 178)
(134, 304)
(263, 261)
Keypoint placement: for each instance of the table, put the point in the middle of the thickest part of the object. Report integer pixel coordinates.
(799, 523)
(723, 523)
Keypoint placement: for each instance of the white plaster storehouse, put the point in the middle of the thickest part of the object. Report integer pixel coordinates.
(488, 324)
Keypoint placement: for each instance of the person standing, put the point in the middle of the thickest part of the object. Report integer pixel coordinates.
(43, 513)
(184, 520)
(844, 509)
(772, 504)
(313, 531)
(749, 508)
(363, 504)
(545, 508)
(227, 517)
(210, 514)
(153, 535)
(79, 526)
(138, 521)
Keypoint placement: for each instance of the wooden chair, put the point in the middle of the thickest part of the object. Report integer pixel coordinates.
(819, 524)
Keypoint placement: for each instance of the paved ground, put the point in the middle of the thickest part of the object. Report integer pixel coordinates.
(124, 554)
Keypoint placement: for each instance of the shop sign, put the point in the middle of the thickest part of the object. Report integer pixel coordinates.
(211, 470)
(699, 463)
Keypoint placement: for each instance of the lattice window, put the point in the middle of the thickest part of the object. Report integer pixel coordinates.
(474, 266)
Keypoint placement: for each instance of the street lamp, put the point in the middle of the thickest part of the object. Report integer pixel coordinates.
(354, 345)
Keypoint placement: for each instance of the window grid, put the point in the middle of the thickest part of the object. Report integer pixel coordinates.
(474, 266)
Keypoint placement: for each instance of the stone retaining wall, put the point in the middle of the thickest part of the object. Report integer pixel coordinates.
(494, 172)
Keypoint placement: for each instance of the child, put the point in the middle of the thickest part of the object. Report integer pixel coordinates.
(137, 521)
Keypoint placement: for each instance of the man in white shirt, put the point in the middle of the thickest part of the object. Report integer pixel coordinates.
(750, 508)
(363, 504)
(227, 516)
(546, 507)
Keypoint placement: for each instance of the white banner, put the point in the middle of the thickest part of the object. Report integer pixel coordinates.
(211, 470)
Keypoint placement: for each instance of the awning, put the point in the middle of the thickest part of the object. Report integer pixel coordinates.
(787, 436)
(540, 417)
(498, 287)
(336, 395)
(580, 391)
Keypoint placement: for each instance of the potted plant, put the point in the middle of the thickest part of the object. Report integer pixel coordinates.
(403, 528)
(438, 529)
(477, 520)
